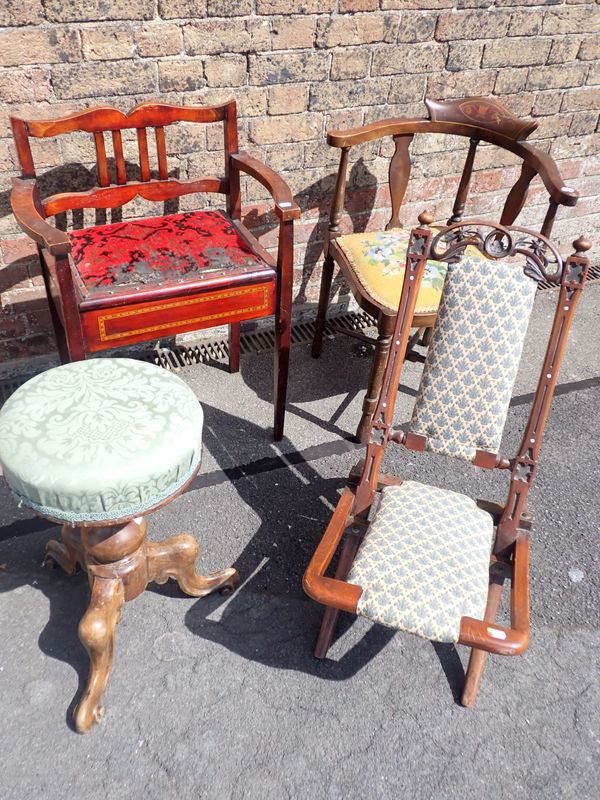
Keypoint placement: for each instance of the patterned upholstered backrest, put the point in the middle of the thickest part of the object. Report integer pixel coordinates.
(474, 355)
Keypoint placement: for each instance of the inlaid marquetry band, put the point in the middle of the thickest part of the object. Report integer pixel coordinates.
(262, 307)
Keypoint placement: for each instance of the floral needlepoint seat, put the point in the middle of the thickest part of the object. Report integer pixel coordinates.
(95, 445)
(378, 260)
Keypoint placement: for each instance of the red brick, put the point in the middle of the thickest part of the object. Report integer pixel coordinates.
(293, 33)
(159, 40)
(288, 99)
(103, 78)
(557, 77)
(295, 6)
(184, 9)
(586, 99)
(226, 71)
(289, 128)
(409, 58)
(108, 43)
(229, 8)
(271, 68)
(357, 29)
(571, 20)
(358, 5)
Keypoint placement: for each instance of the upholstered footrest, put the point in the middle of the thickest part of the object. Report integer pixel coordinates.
(424, 562)
(105, 439)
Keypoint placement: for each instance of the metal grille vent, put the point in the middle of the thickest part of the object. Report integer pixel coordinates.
(180, 356)
(205, 352)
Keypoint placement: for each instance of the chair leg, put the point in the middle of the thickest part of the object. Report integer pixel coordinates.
(324, 292)
(478, 658)
(283, 335)
(59, 334)
(426, 338)
(234, 347)
(331, 615)
(176, 558)
(97, 634)
(75, 345)
(382, 349)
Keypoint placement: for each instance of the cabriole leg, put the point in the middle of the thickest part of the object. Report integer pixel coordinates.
(97, 634)
(176, 558)
(67, 553)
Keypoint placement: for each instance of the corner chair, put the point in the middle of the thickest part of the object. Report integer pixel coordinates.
(373, 262)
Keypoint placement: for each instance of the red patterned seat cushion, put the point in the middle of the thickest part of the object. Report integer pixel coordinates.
(177, 248)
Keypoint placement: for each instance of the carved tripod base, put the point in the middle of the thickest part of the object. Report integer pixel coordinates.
(120, 564)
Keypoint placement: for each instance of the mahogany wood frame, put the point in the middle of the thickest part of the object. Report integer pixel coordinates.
(479, 119)
(510, 556)
(169, 308)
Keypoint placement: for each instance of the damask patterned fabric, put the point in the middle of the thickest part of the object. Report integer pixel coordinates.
(474, 356)
(379, 260)
(100, 439)
(148, 251)
(424, 562)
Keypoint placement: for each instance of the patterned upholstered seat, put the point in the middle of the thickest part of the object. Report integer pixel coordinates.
(378, 260)
(474, 356)
(102, 439)
(424, 562)
(173, 248)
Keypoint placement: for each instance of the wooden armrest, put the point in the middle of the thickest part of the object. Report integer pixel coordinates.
(366, 133)
(329, 591)
(496, 638)
(23, 199)
(285, 206)
(547, 169)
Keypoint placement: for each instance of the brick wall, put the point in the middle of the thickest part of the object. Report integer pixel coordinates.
(298, 68)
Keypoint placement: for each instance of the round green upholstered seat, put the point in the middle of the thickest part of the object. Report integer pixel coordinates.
(103, 439)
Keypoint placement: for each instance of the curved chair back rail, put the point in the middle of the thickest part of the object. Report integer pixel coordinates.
(478, 119)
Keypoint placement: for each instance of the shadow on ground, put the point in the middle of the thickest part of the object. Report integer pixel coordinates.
(269, 620)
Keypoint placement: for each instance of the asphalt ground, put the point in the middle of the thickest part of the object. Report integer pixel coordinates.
(222, 698)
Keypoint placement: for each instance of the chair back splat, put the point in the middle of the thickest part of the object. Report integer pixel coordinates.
(105, 120)
(424, 559)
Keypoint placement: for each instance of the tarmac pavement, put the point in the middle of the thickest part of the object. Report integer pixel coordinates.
(221, 697)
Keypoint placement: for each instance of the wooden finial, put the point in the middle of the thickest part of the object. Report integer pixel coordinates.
(582, 244)
(426, 218)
